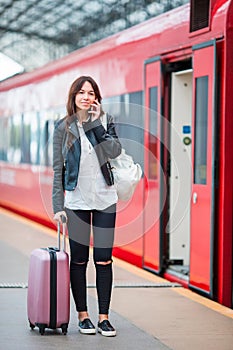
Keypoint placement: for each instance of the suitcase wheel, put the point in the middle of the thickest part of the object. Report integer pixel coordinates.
(64, 328)
(31, 325)
(41, 327)
(42, 330)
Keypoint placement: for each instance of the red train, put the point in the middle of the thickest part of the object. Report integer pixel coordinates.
(168, 82)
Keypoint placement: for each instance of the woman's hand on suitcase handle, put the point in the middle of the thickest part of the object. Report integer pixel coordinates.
(59, 216)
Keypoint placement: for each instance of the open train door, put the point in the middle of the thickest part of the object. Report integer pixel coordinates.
(203, 156)
(152, 240)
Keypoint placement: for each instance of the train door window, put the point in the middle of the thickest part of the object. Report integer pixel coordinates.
(153, 133)
(200, 137)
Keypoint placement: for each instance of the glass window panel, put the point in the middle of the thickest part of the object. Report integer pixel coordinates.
(26, 137)
(129, 118)
(35, 138)
(201, 125)
(15, 137)
(10, 149)
(153, 133)
(136, 132)
(44, 143)
(131, 125)
(112, 105)
(47, 119)
(4, 138)
(45, 116)
(50, 142)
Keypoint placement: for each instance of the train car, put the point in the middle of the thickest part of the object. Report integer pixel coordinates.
(168, 83)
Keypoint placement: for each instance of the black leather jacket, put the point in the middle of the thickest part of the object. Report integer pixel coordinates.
(67, 152)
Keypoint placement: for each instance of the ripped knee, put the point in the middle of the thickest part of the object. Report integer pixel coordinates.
(108, 262)
(79, 262)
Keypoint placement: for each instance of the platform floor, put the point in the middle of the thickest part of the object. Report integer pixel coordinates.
(147, 311)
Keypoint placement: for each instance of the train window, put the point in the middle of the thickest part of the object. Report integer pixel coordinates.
(153, 132)
(35, 138)
(129, 118)
(4, 130)
(26, 138)
(131, 125)
(112, 105)
(15, 137)
(30, 138)
(50, 141)
(201, 125)
(199, 14)
(44, 143)
(46, 137)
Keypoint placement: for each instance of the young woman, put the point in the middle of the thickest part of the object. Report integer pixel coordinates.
(81, 149)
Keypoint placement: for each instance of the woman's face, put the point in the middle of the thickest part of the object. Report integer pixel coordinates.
(85, 97)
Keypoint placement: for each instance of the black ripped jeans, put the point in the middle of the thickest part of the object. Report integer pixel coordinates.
(79, 228)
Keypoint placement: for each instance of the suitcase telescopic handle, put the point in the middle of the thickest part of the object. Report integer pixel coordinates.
(63, 219)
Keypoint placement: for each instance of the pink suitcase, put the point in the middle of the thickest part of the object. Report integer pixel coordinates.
(48, 301)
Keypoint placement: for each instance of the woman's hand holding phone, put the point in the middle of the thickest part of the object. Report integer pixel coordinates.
(95, 110)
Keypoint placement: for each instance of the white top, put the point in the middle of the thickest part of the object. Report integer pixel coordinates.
(91, 192)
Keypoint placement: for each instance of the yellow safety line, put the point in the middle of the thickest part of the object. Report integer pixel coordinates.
(213, 305)
(136, 270)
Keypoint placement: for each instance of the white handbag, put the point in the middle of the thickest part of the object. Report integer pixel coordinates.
(126, 173)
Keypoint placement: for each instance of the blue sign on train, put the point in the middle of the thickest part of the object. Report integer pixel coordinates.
(186, 129)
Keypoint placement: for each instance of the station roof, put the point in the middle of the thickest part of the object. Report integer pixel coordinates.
(34, 32)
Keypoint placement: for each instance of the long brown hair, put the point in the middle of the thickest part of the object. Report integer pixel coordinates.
(75, 88)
